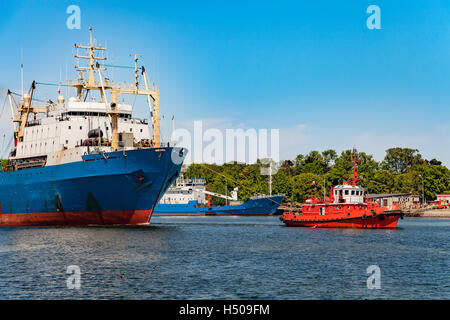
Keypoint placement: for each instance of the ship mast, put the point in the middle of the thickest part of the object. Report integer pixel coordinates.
(355, 167)
(24, 109)
(116, 90)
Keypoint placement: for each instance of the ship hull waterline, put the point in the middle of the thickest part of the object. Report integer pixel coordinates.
(254, 207)
(381, 221)
(115, 188)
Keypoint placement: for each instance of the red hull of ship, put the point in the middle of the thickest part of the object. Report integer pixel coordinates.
(369, 222)
(76, 218)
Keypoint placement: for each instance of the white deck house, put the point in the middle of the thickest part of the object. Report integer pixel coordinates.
(185, 190)
(346, 193)
(60, 135)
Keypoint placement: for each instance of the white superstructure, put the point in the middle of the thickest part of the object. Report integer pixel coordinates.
(347, 193)
(48, 133)
(185, 190)
(61, 135)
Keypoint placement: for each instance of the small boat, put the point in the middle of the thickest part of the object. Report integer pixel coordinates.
(346, 207)
(187, 197)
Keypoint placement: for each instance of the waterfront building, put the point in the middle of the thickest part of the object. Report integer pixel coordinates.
(403, 200)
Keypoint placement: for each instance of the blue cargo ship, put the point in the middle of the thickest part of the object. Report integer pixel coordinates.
(187, 197)
(259, 206)
(86, 160)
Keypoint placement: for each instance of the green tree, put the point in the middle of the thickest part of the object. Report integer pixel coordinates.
(408, 182)
(400, 160)
(313, 162)
(383, 181)
(329, 156)
(436, 179)
(251, 182)
(282, 184)
(287, 167)
(298, 162)
(302, 188)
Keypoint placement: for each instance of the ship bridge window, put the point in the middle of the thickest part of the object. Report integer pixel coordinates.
(346, 192)
(95, 114)
(353, 192)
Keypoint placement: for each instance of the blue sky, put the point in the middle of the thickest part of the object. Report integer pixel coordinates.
(310, 68)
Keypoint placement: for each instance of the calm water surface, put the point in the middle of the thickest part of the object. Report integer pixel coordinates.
(226, 258)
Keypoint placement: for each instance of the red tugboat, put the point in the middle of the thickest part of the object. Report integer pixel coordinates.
(346, 207)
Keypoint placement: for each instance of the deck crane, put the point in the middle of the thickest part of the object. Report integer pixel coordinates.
(24, 109)
(233, 194)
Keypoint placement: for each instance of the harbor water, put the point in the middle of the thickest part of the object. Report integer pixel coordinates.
(219, 257)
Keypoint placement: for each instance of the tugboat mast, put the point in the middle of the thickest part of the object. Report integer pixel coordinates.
(355, 167)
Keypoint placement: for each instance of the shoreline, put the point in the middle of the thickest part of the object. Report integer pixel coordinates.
(436, 213)
(430, 213)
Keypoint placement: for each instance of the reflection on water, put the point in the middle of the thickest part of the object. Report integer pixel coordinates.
(226, 258)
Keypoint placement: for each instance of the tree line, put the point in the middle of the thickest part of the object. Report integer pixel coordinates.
(403, 170)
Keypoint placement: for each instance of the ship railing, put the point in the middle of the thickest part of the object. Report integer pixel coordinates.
(260, 196)
(139, 120)
(126, 85)
(37, 162)
(32, 123)
(63, 118)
